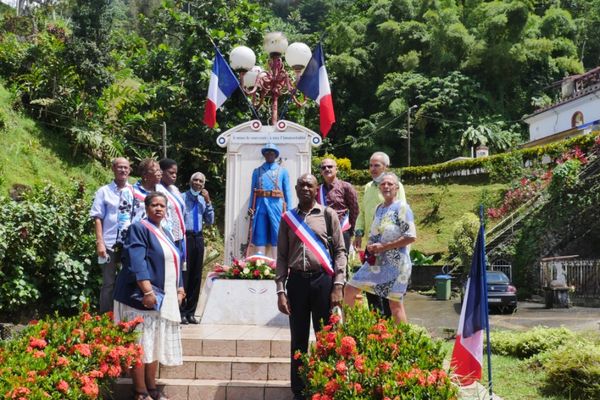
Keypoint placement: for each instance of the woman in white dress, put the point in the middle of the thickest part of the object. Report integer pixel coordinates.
(150, 286)
(387, 269)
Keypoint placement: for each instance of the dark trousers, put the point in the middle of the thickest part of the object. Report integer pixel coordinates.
(306, 296)
(192, 277)
(109, 276)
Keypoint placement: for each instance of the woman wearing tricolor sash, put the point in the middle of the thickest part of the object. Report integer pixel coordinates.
(387, 268)
(150, 286)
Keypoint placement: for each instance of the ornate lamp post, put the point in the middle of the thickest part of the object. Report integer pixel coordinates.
(268, 85)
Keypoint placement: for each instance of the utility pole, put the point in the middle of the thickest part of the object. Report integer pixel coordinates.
(408, 131)
(164, 139)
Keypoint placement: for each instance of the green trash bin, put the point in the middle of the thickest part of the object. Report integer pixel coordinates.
(442, 287)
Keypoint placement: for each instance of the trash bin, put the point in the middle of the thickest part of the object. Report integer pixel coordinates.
(442, 287)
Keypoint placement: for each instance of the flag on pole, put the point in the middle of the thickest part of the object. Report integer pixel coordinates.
(223, 83)
(315, 85)
(467, 356)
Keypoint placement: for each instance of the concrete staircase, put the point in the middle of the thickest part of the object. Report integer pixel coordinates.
(226, 362)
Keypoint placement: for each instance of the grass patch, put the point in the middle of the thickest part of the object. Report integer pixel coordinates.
(513, 379)
(438, 207)
(31, 155)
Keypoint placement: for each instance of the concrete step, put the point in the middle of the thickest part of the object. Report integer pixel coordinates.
(229, 368)
(196, 389)
(212, 347)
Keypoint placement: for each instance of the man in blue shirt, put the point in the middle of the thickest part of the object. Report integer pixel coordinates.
(108, 222)
(198, 211)
(271, 194)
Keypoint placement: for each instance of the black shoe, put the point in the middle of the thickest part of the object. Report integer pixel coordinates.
(192, 320)
(299, 397)
(184, 321)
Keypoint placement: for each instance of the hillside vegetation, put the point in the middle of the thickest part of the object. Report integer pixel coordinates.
(435, 228)
(31, 155)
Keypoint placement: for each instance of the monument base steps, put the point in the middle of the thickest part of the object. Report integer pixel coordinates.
(226, 362)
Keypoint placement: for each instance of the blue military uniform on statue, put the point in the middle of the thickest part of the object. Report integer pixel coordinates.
(270, 189)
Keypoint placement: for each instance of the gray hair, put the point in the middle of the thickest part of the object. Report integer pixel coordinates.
(393, 176)
(116, 160)
(382, 156)
(197, 175)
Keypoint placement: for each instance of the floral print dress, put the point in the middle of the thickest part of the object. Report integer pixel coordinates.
(389, 276)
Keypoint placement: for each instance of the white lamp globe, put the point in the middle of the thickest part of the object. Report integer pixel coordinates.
(242, 58)
(275, 43)
(249, 80)
(298, 55)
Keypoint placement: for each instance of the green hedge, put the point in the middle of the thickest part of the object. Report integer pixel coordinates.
(502, 167)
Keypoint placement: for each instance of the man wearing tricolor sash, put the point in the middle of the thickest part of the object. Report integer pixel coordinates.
(311, 269)
(340, 196)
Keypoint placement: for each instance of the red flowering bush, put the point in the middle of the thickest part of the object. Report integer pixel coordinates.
(372, 358)
(525, 189)
(67, 358)
(254, 267)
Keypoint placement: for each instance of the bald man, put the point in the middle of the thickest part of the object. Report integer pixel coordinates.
(109, 221)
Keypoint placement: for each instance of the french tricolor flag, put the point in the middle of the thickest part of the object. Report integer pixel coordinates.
(315, 85)
(223, 83)
(467, 356)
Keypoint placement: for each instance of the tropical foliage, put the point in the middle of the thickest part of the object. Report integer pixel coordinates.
(107, 75)
(46, 242)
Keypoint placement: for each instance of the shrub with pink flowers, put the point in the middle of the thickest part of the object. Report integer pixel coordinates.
(367, 357)
(523, 190)
(67, 358)
(254, 267)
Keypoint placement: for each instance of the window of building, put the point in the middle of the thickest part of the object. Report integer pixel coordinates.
(576, 119)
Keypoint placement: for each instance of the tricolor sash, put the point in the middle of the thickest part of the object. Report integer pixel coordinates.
(322, 196)
(178, 206)
(139, 192)
(165, 240)
(345, 222)
(322, 200)
(310, 239)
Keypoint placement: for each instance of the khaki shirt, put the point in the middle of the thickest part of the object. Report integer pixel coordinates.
(292, 253)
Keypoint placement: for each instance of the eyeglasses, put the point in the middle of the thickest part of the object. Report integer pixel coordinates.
(324, 167)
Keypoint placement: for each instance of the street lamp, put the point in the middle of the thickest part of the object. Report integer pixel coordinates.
(260, 84)
(408, 130)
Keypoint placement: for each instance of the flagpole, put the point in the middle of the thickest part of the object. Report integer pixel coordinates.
(486, 306)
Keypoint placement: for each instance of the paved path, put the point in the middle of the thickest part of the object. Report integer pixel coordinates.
(441, 317)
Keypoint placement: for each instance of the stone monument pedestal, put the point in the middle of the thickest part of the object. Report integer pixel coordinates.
(242, 302)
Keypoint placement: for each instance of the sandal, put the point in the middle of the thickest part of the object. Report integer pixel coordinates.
(156, 394)
(141, 396)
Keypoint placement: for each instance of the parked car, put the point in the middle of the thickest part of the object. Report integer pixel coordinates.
(502, 294)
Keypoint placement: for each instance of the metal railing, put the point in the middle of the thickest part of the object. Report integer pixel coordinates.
(582, 275)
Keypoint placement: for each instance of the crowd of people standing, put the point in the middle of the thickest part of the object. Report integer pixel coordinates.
(156, 233)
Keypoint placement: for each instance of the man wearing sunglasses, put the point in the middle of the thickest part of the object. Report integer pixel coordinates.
(340, 196)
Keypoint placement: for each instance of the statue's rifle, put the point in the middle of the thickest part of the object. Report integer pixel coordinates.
(251, 222)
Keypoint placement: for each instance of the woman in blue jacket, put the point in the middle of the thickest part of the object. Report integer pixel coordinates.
(150, 286)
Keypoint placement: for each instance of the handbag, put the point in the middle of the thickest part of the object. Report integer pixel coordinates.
(137, 296)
